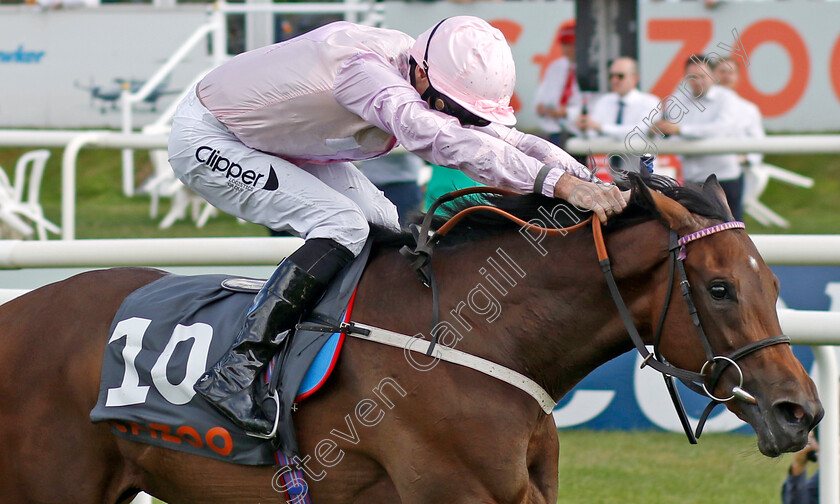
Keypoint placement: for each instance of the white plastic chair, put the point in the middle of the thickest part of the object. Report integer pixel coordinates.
(756, 179)
(164, 184)
(11, 226)
(184, 199)
(29, 172)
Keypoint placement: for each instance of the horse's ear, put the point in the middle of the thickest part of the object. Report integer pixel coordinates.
(671, 213)
(712, 189)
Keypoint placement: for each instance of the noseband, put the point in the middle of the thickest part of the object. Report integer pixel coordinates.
(715, 365)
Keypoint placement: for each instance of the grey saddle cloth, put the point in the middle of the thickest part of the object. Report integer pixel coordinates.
(167, 333)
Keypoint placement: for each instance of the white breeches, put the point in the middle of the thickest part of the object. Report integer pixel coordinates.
(309, 200)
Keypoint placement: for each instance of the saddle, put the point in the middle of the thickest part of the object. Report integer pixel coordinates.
(167, 333)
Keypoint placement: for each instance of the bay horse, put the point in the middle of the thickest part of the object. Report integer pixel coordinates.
(451, 434)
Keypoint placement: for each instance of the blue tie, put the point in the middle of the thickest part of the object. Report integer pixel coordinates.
(620, 112)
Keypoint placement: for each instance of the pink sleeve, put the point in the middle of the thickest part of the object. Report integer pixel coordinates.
(371, 88)
(544, 151)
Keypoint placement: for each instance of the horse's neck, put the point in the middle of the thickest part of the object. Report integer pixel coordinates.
(548, 316)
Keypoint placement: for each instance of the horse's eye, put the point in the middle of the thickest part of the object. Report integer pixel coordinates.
(718, 291)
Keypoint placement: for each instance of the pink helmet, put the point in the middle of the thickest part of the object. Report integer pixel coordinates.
(470, 62)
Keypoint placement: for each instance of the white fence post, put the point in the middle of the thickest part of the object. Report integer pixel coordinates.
(126, 104)
(68, 183)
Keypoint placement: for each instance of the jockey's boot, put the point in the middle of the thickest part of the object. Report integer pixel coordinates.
(296, 283)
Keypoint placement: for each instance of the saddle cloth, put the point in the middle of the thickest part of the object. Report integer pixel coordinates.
(167, 333)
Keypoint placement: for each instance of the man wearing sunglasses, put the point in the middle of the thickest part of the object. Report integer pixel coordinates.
(615, 114)
(269, 137)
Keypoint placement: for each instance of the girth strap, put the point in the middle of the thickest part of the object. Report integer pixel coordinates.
(445, 353)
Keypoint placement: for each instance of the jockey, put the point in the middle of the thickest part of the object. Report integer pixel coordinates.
(269, 137)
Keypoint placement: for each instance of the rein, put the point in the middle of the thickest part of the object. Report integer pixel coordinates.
(426, 239)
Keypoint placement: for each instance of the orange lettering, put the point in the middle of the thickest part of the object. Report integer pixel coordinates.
(165, 432)
(695, 35)
(834, 66)
(120, 427)
(227, 441)
(189, 435)
(774, 30)
(136, 428)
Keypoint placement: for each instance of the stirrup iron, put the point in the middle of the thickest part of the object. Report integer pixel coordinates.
(273, 432)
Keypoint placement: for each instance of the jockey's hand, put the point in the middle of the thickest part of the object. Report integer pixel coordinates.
(605, 200)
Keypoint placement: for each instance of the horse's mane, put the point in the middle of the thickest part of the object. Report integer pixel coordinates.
(478, 225)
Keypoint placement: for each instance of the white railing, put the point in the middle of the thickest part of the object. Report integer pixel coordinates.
(41, 138)
(68, 167)
(775, 144)
(16, 254)
(775, 249)
(830, 440)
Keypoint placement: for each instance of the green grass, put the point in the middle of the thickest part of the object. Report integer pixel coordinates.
(102, 211)
(810, 211)
(662, 468)
(599, 467)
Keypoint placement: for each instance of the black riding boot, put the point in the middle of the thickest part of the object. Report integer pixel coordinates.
(294, 285)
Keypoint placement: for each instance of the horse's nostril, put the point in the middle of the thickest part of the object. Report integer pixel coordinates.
(793, 413)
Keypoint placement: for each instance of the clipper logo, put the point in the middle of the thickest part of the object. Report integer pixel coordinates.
(243, 180)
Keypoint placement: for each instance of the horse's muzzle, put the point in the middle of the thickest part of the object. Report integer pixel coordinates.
(787, 423)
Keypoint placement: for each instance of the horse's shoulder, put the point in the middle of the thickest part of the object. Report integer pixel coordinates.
(111, 283)
(125, 276)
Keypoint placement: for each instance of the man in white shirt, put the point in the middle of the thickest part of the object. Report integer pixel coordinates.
(616, 114)
(748, 115)
(558, 93)
(706, 110)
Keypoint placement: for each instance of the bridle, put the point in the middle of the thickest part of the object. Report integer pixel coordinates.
(715, 364)
(712, 369)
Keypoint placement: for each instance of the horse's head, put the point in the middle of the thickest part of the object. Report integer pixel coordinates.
(735, 295)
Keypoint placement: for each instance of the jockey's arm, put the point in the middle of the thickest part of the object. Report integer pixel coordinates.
(371, 88)
(541, 150)
(608, 199)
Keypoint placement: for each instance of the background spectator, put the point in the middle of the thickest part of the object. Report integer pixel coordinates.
(559, 91)
(615, 114)
(798, 488)
(747, 114)
(709, 112)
